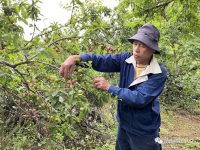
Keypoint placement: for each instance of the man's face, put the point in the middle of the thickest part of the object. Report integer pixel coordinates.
(141, 52)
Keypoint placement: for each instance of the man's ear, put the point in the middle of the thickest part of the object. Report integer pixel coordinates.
(153, 50)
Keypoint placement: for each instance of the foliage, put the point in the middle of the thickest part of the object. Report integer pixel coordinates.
(32, 92)
(35, 100)
(194, 144)
(179, 44)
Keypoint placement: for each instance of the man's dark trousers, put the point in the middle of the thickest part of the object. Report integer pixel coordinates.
(128, 141)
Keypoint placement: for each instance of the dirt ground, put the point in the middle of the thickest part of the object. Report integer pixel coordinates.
(180, 130)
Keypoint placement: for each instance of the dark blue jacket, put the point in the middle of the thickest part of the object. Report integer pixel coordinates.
(138, 109)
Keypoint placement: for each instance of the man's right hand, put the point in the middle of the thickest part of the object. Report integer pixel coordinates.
(67, 67)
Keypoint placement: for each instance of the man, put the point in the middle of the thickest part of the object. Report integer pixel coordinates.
(142, 80)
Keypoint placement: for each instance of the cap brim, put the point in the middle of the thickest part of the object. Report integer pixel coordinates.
(146, 41)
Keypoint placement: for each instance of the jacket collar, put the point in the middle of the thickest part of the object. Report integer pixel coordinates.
(153, 67)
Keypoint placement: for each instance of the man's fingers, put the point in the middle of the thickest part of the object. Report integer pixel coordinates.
(68, 66)
(97, 79)
(61, 71)
(97, 82)
(97, 85)
(71, 70)
(101, 83)
(65, 70)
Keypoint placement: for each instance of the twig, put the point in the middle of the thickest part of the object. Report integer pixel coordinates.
(138, 6)
(46, 64)
(191, 69)
(33, 56)
(13, 65)
(157, 6)
(14, 93)
(64, 39)
(72, 11)
(107, 40)
(15, 129)
(33, 30)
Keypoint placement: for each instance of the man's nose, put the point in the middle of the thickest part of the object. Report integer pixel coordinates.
(137, 49)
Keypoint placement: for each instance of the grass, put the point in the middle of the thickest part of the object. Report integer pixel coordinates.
(179, 126)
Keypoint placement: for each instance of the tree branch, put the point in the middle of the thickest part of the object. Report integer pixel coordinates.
(191, 69)
(13, 65)
(107, 40)
(34, 26)
(72, 11)
(15, 129)
(46, 64)
(64, 39)
(158, 6)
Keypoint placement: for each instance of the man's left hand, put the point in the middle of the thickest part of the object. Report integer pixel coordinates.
(101, 83)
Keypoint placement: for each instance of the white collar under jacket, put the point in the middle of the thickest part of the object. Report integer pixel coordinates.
(153, 68)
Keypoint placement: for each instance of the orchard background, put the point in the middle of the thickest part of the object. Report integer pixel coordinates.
(41, 110)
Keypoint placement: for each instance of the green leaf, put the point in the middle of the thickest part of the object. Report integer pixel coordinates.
(90, 62)
(59, 120)
(80, 3)
(61, 99)
(48, 98)
(36, 40)
(44, 53)
(54, 101)
(81, 114)
(15, 41)
(23, 13)
(101, 103)
(40, 49)
(16, 6)
(71, 92)
(24, 21)
(67, 106)
(1, 122)
(64, 92)
(74, 101)
(55, 93)
(24, 52)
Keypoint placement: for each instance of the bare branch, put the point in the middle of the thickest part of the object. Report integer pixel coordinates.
(41, 34)
(13, 65)
(138, 6)
(175, 59)
(107, 40)
(33, 56)
(180, 58)
(46, 64)
(20, 63)
(15, 129)
(22, 74)
(64, 39)
(34, 27)
(159, 6)
(191, 69)
(72, 11)
(6, 63)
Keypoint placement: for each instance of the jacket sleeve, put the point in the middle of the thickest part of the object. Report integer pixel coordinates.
(103, 63)
(143, 93)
